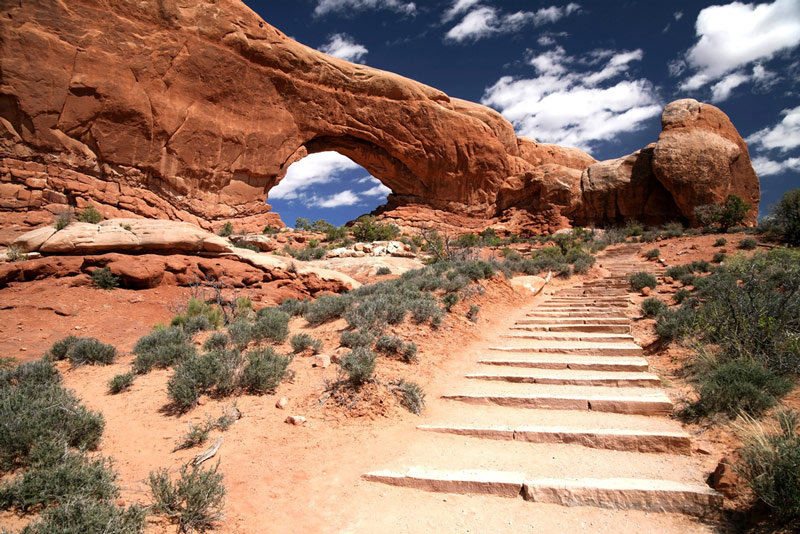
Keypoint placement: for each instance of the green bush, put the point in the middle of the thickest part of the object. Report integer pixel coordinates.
(739, 386)
(368, 229)
(199, 315)
(383, 271)
(294, 307)
(61, 348)
(720, 242)
(226, 230)
(301, 342)
(195, 500)
(409, 352)
(89, 215)
(217, 341)
(770, 465)
(358, 364)
(241, 333)
(356, 338)
(472, 313)
(412, 396)
(718, 257)
(63, 218)
(84, 516)
(271, 324)
(748, 243)
(326, 308)
(786, 217)
(264, 370)
(641, 280)
(104, 278)
(161, 348)
(653, 307)
(120, 383)
(673, 229)
(450, 300)
(676, 324)
(734, 212)
(91, 351)
(676, 271)
(687, 279)
(652, 254)
(681, 295)
(389, 344)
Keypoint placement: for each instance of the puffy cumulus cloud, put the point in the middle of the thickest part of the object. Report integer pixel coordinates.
(313, 169)
(783, 136)
(344, 47)
(325, 7)
(343, 198)
(735, 35)
(568, 105)
(767, 167)
(480, 21)
(377, 189)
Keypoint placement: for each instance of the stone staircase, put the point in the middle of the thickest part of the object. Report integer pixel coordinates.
(563, 410)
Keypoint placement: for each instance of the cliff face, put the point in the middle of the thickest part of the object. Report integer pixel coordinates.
(195, 110)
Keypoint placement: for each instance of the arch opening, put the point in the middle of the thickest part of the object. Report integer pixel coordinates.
(326, 185)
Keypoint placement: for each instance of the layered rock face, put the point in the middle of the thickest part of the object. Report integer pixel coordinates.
(194, 110)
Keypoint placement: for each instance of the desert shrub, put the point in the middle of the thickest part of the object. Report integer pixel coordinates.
(409, 352)
(389, 344)
(734, 212)
(785, 218)
(241, 333)
(309, 252)
(739, 386)
(676, 271)
(676, 324)
(63, 218)
(14, 253)
(368, 229)
(641, 280)
(92, 351)
(383, 271)
(718, 257)
(652, 254)
(104, 278)
(412, 396)
(183, 388)
(89, 215)
(450, 300)
(633, 228)
(748, 243)
(358, 365)
(271, 324)
(699, 266)
(195, 500)
(673, 229)
(197, 435)
(356, 338)
(84, 516)
(161, 348)
(770, 465)
(653, 307)
(425, 309)
(60, 348)
(681, 295)
(326, 308)
(687, 279)
(583, 263)
(28, 394)
(226, 230)
(120, 383)
(720, 242)
(650, 236)
(472, 313)
(217, 341)
(301, 342)
(198, 315)
(264, 370)
(294, 307)
(73, 475)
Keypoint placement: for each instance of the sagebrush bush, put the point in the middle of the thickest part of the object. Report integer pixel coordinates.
(264, 370)
(409, 352)
(199, 315)
(241, 333)
(358, 364)
(217, 341)
(382, 271)
(652, 254)
(472, 313)
(412, 396)
(195, 500)
(226, 230)
(84, 516)
(450, 300)
(681, 295)
(326, 308)
(104, 278)
(368, 229)
(389, 344)
(720, 242)
(770, 465)
(786, 217)
(356, 338)
(301, 342)
(653, 307)
(641, 280)
(676, 271)
(294, 307)
(687, 279)
(89, 215)
(161, 348)
(718, 257)
(739, 386)
(748, 243)
(676, 324)
(91, 351)
(673, 229)
(60, 348)
(120, 383)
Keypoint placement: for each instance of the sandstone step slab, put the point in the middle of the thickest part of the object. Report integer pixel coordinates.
(596, 438)
(580, 304)
(475, 481)
(600, 328)
(571, 336)
(573, 321)
(569, 347)
(574, 362)
(645, 404)
(572, 378)
(586, 314)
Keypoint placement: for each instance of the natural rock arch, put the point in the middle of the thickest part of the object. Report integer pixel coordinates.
(194, 111)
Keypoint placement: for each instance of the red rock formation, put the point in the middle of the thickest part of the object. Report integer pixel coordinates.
(194, 110)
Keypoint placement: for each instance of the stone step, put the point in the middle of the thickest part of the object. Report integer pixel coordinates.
(595, 438)
(593, 348)
(582, 304)
(583, 314)
(574, 321)
(614, 493)
(574, 362)
(576, 327)
(573, 378)
(571, 336)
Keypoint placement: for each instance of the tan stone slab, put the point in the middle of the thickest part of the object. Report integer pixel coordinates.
(626, 494)
(499, 483)
(610, 363)
(586, 328)
(652, 404)
(542, 402)
(625, 321)
(571, 336)
(575, 378)
(594, 349)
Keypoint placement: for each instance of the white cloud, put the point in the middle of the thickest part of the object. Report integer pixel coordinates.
(325, 7)
(784, 136)
(573, 107)
(484, 21)
(313, 169)
(767, 167)
(378, 189)
(545, 40)
(678, 15)
(735, 35)
(344, 47)
(344, 198)
(722, 89)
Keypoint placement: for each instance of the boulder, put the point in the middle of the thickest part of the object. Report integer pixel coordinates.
(262, 242)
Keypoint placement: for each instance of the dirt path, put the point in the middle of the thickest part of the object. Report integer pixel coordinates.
(557, 409)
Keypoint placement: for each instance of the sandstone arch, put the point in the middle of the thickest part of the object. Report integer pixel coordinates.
(195, 110)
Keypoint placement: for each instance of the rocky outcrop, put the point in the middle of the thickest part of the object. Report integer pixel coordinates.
(194, 111)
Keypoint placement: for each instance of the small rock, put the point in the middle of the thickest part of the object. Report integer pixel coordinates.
(703, 447)
(322, 360)
(296, 420)
(693, 247)
(78, 328)
(646, 291)
(120, 502)
(724, 479)
(668, 280)
(282, 402)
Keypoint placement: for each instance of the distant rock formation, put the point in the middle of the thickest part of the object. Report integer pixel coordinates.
(193, 111)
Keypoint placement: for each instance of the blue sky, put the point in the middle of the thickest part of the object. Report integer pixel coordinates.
(594, 75)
